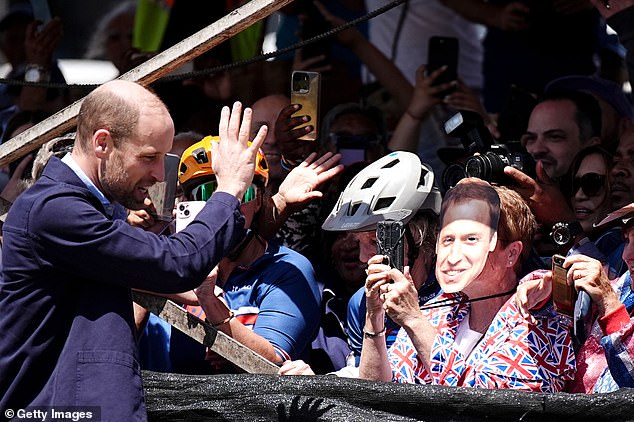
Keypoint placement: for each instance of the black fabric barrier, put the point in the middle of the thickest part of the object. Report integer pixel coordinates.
(249, 397)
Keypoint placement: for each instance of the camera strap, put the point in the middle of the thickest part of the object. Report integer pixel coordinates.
(460, 300)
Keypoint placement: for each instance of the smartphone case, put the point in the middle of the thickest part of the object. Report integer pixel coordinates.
(389, 242)
(305, 88)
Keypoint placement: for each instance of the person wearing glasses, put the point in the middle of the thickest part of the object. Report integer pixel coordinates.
(590, 200)
(604, 360)
(590, 194)
(357, 132)
(264, 295)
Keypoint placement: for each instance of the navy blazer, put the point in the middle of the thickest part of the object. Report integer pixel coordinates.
(66, 321)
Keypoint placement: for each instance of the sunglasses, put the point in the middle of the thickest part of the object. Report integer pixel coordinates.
(204, 191)
(590, 183)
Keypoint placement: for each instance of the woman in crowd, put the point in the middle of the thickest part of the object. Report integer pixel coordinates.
(590, 194)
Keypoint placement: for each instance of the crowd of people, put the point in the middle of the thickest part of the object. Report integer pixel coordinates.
(275, 240)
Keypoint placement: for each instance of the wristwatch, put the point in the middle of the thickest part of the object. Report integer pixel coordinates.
(36, 73)
(563, 233)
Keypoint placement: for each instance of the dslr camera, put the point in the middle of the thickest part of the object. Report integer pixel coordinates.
(486, 159)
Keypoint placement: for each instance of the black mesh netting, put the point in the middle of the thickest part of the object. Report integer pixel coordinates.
(249, 397)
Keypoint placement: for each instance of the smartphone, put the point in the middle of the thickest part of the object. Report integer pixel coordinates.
(305, 87)
(312, 24)
(443, 51)
(186, 212)
(41, 11)
(163, 194)
(389, 242)
(564, 296)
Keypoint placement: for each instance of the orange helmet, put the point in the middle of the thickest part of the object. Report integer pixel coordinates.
(195, 166)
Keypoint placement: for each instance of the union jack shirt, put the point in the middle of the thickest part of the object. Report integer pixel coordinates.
(607, 356)
(511, 354)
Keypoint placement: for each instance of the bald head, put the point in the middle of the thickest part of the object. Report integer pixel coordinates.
(124, 132)
(117, 106)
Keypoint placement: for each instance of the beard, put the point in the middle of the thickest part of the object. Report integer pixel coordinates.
(115, 183)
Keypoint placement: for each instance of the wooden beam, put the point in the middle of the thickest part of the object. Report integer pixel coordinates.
(146, 73)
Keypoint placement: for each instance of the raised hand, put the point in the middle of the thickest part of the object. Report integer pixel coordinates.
(39, 44)
(287, 133)
(512, 17)
(300, 185)
(233, 157)
(588, 274)
(401, 298)
(541, 194)
(534, 290)
(378, 277)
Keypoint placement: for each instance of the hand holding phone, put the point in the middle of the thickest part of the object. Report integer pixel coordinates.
(389, 242)
(305, 87)
(564, 295)
(443, 51)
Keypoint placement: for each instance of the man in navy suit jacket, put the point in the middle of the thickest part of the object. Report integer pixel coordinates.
(70, 259)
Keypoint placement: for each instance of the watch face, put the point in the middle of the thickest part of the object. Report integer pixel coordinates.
(560, 237)
(560, 234)
(32, 75)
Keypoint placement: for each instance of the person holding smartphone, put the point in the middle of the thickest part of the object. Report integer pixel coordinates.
(472, 334)
(603, 361)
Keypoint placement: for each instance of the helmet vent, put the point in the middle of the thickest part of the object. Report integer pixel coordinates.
(200, 155)
(354, 208)
(423, 173)
(384, 203)
(391, 164)
(368, 183)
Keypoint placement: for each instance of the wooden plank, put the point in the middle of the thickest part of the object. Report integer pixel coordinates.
(203, 333)
(146, 73)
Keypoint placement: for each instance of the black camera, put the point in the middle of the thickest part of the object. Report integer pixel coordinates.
(488, 159)
(490, 165)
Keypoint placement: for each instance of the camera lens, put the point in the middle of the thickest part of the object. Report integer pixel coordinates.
(452, 175)
(489, 167)
(301, 82)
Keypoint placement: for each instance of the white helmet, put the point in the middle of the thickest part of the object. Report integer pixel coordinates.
(394, 187)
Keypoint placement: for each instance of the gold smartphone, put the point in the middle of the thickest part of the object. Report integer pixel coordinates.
(305, 87)
(564, 296)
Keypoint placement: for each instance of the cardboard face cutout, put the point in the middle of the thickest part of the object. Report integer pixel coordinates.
(469, 221)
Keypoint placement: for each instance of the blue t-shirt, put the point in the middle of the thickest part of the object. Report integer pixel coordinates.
(278, 297)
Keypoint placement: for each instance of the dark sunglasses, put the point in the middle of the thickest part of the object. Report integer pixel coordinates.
(590, 183)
